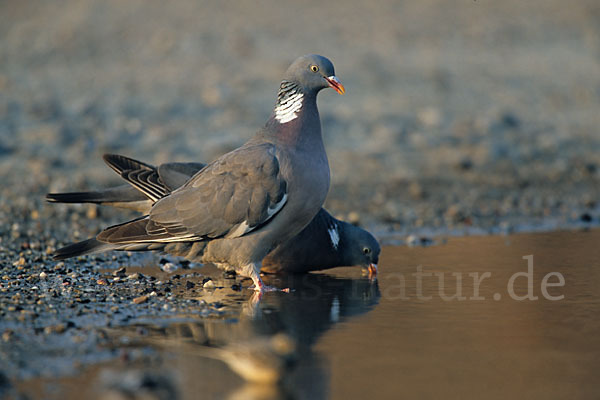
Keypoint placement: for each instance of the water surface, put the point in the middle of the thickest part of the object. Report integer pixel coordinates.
(391, 337)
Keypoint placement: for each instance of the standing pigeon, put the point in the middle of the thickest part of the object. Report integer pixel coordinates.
(324, 243)
(247, 202)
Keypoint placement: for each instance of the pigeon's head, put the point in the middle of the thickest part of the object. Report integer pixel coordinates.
(313, 73)
(363, 249)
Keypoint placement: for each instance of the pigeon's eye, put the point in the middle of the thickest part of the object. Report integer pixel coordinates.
(314, 68)
(367, 250)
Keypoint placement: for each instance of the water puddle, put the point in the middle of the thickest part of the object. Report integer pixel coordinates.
(475, 317)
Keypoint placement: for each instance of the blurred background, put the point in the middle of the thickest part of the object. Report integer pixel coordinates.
(480, 115)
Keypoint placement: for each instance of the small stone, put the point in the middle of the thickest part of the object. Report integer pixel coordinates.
(236, 287)
(168, 267)
(354, 218)
(43, 275)
(414, 240)
(141, 299)
(429, 117)
(416, 191)
(585, 217)
(7, 335)
(228, 274)
(209, 284)
(189, 285)
(92, 212)
(101, 282)
(120, 273)
(60, 328)
(465, 164)
(510, 120)
(35, 214)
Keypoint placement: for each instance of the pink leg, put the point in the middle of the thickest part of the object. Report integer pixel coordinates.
(259, 285)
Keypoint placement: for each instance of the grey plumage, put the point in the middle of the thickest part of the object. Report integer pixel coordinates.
(312, 249)
(250, 200)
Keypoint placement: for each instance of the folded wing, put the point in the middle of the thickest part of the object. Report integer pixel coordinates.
(235, 195)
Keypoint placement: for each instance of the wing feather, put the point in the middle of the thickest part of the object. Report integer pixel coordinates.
(230, 197)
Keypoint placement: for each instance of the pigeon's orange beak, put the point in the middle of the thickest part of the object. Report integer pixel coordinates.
(372, 268)
(335, 84)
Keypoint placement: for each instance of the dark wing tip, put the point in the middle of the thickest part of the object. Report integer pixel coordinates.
(121, 163)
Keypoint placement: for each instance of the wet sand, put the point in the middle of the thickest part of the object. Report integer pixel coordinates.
(359, 338)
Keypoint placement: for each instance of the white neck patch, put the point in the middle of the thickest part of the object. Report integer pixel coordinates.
(334, 236)
(289, 102)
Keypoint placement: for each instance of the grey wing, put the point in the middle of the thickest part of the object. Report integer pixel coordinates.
(176, 174)
(231, 197)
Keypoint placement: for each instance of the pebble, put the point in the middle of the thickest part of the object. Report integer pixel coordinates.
(414, 240)
(7, 335)
(208, 284)
(140, 299)
(237, 287)
(92, 212)
(60, 328)
(43, 275)
(120, 273)
(416, 191)
(585, 217)
(168, 267)
(354, 218)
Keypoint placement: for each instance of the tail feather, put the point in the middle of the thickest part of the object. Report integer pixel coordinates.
(76, 197)
(82, 248)
(124, 196)
(118, 194)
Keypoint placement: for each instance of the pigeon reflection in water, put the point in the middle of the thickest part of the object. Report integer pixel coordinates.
(269, 344)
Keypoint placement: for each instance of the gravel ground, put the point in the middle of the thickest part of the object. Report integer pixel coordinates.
(471, 116)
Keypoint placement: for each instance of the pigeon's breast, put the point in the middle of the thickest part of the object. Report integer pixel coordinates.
(308, 177)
